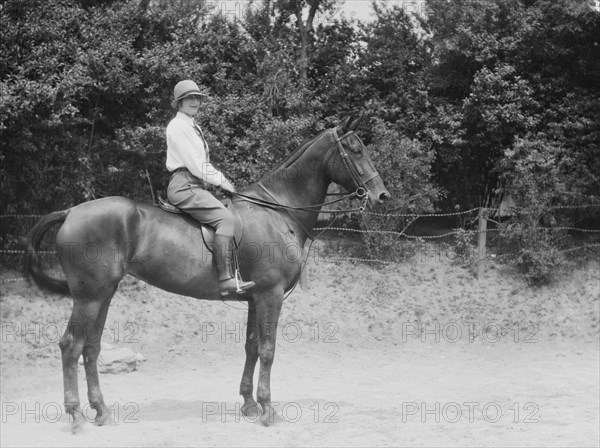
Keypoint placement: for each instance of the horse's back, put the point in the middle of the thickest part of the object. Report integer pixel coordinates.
(121, 221)
(100, 220)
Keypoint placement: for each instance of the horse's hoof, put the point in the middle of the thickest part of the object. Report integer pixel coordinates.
(103, 416)
(77, 424)
(103, 420)
(251, 410)
(269, 416)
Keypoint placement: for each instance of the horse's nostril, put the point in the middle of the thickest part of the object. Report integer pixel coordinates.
(384, 196)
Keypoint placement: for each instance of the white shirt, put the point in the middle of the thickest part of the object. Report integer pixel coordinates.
(187, 148)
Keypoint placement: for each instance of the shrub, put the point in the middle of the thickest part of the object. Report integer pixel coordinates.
(535, 175)
(536, 250)
(405, 167)
(465, 249)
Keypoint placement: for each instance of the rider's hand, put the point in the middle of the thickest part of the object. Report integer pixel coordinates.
(227, 186)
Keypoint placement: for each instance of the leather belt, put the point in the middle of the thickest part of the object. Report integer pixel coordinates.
(204, 185)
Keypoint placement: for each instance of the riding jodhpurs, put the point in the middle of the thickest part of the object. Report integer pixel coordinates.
(187, 192)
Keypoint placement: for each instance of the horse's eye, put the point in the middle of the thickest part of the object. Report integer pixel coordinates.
(356, 149)
(355, 145)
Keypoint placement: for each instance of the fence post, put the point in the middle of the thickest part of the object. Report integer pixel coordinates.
(481, 242)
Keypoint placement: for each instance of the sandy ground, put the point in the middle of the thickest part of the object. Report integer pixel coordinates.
(411, 395)
(404, 355)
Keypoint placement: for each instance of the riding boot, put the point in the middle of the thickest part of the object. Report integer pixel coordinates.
(223, 260)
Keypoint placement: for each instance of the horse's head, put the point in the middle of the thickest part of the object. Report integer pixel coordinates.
(350, 165)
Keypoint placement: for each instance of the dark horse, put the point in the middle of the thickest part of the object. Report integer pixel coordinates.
(101, 241)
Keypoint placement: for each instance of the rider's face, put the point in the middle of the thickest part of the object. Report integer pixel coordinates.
(190, 105)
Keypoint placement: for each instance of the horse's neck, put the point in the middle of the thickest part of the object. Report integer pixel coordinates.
(301, 183)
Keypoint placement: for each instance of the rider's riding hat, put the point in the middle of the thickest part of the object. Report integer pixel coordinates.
(184, 89)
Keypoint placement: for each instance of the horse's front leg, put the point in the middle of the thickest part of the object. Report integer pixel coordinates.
(250, 407)
(268, 307)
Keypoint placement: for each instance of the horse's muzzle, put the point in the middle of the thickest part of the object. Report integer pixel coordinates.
(378, 197)
(384, 196)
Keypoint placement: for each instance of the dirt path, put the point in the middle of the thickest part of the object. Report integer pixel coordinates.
(353, 378)
(412, 394)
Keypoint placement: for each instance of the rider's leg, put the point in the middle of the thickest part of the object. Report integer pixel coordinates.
(223, 254)
(185, 193)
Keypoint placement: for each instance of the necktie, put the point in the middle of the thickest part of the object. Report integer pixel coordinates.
(201, 135)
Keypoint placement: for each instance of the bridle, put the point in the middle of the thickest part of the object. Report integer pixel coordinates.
(356, 174)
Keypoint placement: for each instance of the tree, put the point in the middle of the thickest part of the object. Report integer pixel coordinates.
(503, 70)
(391, 65)
(298, 9)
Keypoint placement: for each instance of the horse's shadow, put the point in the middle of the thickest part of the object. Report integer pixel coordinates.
(306, 409)
(206, 411)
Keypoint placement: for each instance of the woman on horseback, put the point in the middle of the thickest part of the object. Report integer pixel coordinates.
(192, 174)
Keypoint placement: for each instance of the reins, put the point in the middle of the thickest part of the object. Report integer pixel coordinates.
(356, 175)
(359, 193)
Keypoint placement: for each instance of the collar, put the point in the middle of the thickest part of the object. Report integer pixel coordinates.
(184, 117)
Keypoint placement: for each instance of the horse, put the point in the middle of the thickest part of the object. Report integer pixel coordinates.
(165, 250)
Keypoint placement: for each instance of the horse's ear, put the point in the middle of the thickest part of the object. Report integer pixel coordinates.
(354, 124)
(343, 127)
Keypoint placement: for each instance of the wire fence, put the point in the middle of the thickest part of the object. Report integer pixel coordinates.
(15, 227)
(481, 233)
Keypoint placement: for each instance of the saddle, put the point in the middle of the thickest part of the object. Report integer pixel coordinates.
(208, 232)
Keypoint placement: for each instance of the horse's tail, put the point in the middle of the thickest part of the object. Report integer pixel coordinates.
(33, 267)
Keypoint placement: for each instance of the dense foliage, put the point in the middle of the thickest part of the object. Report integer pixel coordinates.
(468, 101)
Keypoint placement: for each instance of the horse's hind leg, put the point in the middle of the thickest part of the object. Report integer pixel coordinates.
(250, 407)
(71, 346)
(91, 351)
(83, 335)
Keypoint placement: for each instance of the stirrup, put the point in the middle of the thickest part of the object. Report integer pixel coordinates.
(240, 286)
(238, 279)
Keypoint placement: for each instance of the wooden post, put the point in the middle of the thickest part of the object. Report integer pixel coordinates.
(481, 242)
(150, 184)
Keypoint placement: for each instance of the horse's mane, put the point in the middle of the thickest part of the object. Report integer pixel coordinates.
(295, 155)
